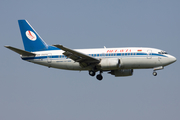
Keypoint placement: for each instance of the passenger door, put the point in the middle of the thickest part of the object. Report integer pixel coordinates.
(49, 56)
(149, 54)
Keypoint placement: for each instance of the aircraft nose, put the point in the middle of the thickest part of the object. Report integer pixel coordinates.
(173, 59)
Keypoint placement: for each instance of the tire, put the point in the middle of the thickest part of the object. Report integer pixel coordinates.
(155, 73)
(99, 77)
(92, 73)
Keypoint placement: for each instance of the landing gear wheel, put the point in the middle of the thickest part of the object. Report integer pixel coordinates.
(154, 73)
(99, 77)
(92, 73)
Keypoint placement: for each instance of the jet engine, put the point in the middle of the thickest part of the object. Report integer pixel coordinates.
(122, 72)
(109, 64)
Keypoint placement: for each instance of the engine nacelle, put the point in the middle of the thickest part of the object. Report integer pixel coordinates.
(109, 64)
(122, 72)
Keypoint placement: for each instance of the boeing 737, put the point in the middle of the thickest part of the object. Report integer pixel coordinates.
(116, 61)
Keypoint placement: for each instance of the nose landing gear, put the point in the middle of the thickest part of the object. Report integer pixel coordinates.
(157, 68)
(154, 73)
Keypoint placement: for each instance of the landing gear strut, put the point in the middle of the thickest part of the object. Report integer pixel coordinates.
(157, 68)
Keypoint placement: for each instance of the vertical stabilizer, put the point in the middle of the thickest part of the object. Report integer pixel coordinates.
(32, 41)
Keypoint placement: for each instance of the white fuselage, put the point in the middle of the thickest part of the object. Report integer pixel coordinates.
(116, 61)
(130, 58)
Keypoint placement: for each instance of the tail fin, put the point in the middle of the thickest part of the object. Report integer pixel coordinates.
(32, 41)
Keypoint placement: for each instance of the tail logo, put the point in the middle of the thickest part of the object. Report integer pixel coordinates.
(31, 35)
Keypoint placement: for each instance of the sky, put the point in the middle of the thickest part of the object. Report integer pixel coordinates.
(29, 91)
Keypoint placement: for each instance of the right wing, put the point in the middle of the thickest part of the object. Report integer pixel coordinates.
(82, 58)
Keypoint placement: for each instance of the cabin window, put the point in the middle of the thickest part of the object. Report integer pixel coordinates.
(162, 52)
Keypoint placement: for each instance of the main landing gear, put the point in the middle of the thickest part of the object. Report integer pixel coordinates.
(99, 76)
(92, 73)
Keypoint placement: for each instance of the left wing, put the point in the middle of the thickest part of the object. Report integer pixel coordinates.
(82, 58)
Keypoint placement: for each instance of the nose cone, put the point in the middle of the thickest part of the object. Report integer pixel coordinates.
(172, 59)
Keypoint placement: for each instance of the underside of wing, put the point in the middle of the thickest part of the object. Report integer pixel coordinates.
(83, 59)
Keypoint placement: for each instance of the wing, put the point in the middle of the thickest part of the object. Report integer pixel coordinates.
(82, 58)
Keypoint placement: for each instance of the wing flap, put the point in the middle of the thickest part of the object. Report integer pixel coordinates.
(70, 55)
(21, 52)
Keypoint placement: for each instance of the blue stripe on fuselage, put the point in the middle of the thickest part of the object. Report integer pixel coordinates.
(100, 55)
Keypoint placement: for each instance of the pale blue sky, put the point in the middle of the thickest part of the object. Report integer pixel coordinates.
(34, 92)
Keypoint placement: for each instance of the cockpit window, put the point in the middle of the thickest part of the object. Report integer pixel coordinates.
(162, 52)
(165, 53)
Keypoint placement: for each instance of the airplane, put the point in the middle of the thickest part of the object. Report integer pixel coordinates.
(116, 61)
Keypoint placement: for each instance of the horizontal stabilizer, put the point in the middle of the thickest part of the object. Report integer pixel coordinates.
(21, 52)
